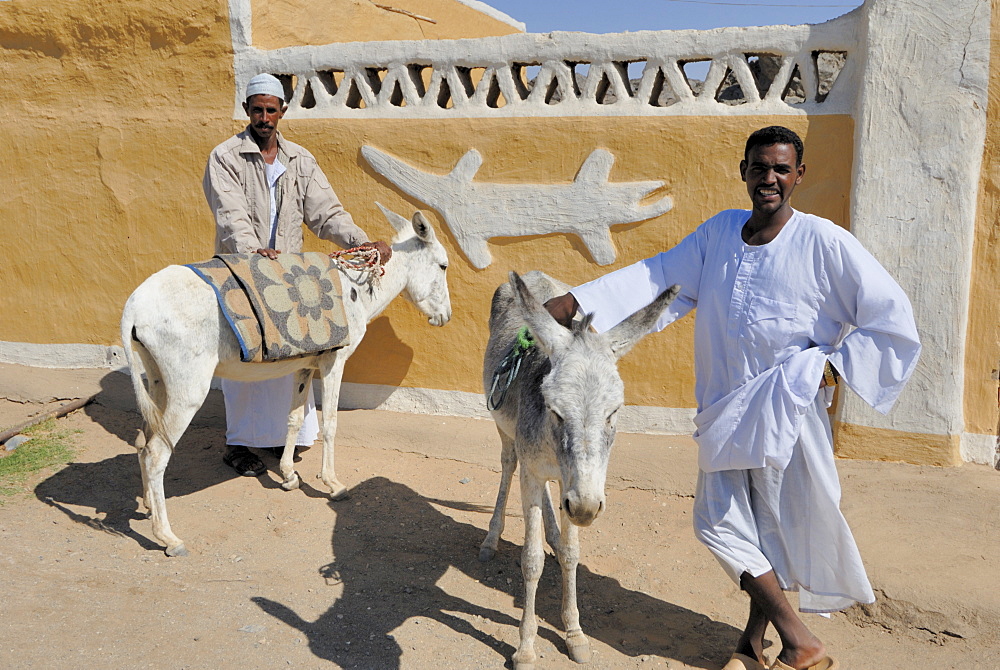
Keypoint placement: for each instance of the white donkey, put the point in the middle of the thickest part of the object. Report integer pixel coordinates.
(558, 421)
(174, 323)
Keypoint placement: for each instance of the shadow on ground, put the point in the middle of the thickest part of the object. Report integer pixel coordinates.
(392, 546)
(195, 465)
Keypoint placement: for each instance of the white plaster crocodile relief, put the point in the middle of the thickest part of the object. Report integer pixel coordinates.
(477, 211)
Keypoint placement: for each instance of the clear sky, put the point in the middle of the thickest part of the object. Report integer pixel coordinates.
(614, 16)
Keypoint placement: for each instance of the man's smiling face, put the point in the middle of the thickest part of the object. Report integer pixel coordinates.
(771, 174)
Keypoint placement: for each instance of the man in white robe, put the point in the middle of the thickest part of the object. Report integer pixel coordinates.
(262, 188)
(787, 304)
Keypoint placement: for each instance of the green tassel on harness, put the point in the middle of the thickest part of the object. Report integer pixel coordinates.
(524, 340)
(509, 367)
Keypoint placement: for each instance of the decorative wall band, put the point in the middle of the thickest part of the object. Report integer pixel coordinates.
(761, 70)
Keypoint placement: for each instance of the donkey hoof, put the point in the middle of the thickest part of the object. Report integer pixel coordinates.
(179, 550)
(337, 491)
(486, 553)
(525, 664)
(578, 647)
(292, 482)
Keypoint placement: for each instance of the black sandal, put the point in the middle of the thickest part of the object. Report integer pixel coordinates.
(243, 461)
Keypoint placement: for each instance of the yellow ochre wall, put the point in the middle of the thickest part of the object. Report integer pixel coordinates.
(114, 108)
(282, 23)
(697, 158)
(982, 360)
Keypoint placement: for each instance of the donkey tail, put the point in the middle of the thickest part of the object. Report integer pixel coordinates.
(152, 413)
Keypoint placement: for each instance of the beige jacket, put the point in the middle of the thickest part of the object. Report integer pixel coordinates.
(236, 189)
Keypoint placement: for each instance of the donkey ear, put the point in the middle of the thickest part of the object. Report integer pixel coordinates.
(399, 222)
(551, 337)
(625, 335)
(422, 227)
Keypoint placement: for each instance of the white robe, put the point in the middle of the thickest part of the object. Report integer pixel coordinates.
(768, 318)
(257, 412)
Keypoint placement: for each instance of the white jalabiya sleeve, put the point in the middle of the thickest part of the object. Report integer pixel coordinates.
(617, 295)
(878, 356)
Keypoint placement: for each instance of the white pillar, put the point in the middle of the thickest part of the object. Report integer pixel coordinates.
(919, 138)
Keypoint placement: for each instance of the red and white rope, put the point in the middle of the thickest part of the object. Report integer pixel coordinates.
(363, 259)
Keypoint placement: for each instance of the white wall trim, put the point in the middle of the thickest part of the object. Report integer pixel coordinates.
(984, 449)
(633, 418)
(493, 13)
(63, 355)
(412, 400)
(386, 79)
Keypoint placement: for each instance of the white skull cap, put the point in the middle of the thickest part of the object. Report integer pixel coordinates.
(265, 84)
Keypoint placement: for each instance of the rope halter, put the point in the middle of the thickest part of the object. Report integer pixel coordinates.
(366, 260)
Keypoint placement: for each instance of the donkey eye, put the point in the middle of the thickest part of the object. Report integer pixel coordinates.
(611, 417)
(443, 266)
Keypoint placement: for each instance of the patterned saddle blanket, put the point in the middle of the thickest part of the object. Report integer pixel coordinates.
(278, 309)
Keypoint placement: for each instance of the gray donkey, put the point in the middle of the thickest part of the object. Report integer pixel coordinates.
(558, 420)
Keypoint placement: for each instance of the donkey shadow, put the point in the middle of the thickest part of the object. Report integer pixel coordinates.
(112, 487)
(391, 547)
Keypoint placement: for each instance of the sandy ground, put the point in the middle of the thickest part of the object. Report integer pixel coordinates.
(389, 578)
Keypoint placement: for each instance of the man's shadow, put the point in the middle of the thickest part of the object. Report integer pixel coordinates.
(391, 547)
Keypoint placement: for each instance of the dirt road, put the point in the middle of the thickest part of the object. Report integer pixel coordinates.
(390, 578)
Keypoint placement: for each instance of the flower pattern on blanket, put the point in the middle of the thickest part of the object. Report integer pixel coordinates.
(305, 294)
(279, 308)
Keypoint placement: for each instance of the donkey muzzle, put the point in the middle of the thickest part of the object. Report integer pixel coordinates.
(582, 509)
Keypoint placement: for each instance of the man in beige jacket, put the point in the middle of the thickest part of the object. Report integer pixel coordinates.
(261, 188)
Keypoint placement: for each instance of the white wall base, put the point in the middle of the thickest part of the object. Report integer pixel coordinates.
(976, 448)
(412, 400)
(63, 355)
(633, 418)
